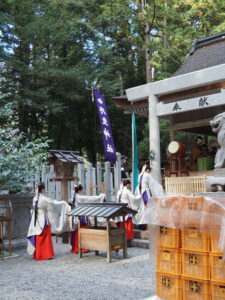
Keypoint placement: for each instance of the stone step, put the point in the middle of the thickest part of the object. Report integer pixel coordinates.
(139, 243)
(141, 234)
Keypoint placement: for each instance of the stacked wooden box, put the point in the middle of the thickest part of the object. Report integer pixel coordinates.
(189, 264)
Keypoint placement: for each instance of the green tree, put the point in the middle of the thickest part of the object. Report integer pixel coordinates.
(19, 158)
(52, 52)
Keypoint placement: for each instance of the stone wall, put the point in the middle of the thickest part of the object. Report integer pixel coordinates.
(21, 205)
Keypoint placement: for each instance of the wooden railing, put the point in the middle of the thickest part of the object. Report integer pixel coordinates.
(185, 185)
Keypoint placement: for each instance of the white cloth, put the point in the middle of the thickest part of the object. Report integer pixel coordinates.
(124, 195)
(150, 185)
(87, 199)
(152, 188)
(51, 211)
(84, 198)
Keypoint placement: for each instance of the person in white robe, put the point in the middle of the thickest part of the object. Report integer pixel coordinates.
(47, 216)
(125, 195)
(147, 187)
(80, 198)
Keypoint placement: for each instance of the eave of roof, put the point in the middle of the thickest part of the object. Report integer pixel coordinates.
(105, 210)
(67, 156)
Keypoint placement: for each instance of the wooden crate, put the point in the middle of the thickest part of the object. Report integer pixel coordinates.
(185, 185)
(195, 289)
(168, 261)
(195, 264)
(194, 240)
(168, 286)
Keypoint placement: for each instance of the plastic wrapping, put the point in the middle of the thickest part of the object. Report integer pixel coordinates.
(201, 219)
(207, 214)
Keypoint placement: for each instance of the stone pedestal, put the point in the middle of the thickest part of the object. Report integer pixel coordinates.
(219, 172)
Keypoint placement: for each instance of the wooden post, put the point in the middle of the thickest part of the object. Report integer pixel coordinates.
(124, 239)
(109, 242)
(10, 228)
(79, 243)
(58, 190)
(64, 190)
(96, 224)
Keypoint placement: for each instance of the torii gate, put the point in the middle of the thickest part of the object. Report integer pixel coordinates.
(189, 101)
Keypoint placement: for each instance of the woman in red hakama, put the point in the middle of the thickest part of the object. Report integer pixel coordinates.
(39, 233)
(78, 197)
(125, 196)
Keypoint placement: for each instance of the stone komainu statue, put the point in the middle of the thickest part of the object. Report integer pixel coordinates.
(218, 126)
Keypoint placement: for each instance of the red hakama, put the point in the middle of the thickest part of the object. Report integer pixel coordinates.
(129, 226)
(44, 247)
(75, 241)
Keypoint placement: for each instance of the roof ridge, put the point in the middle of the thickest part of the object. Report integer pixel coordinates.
(205, 41)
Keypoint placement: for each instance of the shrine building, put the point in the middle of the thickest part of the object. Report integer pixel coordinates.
(189, 99)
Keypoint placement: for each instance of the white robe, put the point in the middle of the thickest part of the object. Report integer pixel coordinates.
(124, 195)
(152, 188)
(51, 211)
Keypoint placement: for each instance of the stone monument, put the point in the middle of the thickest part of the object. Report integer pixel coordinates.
(212, 182)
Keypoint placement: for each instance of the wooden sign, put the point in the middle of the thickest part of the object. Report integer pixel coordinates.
(191, 104)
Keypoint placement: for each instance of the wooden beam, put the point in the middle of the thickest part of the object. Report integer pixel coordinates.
(191, 124)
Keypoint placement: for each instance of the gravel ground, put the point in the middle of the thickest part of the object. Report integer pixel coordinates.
(68, 277)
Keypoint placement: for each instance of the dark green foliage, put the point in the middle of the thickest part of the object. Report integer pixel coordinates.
(53, 50)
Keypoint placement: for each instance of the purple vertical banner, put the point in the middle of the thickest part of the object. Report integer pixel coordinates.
(109, 148)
